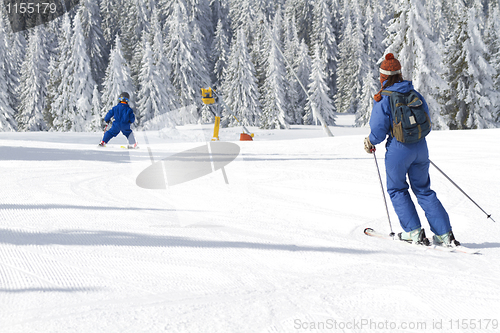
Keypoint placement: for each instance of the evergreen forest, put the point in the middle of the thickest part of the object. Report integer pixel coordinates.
(274, 63)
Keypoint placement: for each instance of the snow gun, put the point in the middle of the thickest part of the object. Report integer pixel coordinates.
(209, 97)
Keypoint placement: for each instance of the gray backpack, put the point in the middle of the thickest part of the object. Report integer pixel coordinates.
(410, 122)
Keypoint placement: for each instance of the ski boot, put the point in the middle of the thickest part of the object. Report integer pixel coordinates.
(102, 144)
(134, 146)
(447, 240)
(416, 236)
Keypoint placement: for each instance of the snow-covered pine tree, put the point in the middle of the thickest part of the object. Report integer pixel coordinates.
(324, 37)
(220, 12)
(303, 66)
(291, 50)
(33, 84)
(187, 73)
(16, 48)
(336, 13)
(9, 81)
(7, 119)
(472, 99)
(59, 103)
(243, 15)
(110, 14)
(90, 16)
(319, 99)
(165, 10)
(353, 63)
(83, 83)
(138, 54)
(437, 22)
(161, 62)
(481, 11)
(419, 56)
(97, 119)
(71, 82)
(134, 21)
(51, 30)
(220, 53)
(52, 86)
(240, 85)
(200, 17)
(302, 10)
(152, 97)
(369, 87)
(494, 44)
(374, 36)
(259, 47)
(274, 114)
(200, 53)
(117, 78)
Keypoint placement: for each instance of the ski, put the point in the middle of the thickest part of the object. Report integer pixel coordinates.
(128, 147)
(455, 249)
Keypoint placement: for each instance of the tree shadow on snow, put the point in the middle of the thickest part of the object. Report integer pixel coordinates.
(486, 245)
(113, 238)
(50, 290)
(297, 157)
(60, 206)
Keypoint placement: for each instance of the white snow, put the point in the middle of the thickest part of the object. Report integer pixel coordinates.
(279, 249)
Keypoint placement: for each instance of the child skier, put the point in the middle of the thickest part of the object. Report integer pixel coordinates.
(124, 116)
(403, 159)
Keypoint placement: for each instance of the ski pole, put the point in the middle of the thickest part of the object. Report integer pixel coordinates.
(487, 215)
(383, 193)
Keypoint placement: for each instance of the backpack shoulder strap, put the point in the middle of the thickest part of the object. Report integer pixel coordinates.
(386, 92)
(415, 101)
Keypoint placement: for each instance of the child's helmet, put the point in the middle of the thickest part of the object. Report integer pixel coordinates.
(124, 97)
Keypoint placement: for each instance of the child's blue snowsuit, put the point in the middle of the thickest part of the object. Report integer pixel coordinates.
(124, 116)
(403, 159)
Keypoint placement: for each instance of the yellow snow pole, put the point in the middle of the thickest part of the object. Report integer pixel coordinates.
(216, 129)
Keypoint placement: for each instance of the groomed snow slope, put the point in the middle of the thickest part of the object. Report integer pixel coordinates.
(279, 249)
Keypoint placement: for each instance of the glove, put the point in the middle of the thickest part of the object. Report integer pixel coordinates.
(105, 124)
(368, 146)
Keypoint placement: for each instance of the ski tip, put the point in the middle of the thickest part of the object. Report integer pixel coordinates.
(368, 230)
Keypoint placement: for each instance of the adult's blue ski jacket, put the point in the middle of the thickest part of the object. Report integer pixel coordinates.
(402, 159)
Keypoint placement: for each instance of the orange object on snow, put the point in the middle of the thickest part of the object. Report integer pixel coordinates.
(245, 137)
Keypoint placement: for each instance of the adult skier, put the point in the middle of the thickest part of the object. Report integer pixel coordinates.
(402, 159)
(124, 116)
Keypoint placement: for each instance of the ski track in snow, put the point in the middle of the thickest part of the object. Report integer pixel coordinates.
(279, 249)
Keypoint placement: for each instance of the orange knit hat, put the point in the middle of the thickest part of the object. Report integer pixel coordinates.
(390, 66)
